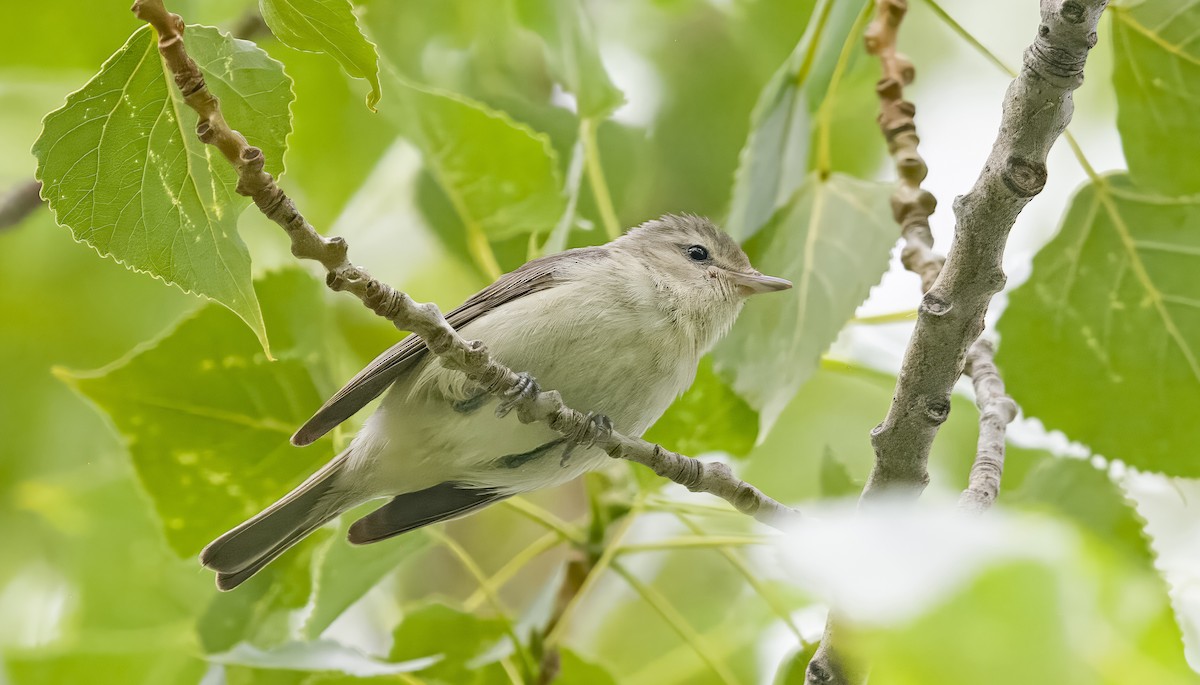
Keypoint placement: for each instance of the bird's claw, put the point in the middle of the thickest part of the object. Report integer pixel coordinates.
(597, 426)
(526, 389)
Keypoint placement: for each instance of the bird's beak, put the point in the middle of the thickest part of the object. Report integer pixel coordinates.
(752, 282)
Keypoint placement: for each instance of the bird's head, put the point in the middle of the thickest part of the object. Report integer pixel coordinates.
(701, 273)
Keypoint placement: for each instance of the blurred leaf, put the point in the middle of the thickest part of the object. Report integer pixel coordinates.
(572, 53)
(136, 665)
(795, 665)
(326, 26)
(832, 239)
(207, 418)
(576, 671)
(501, 177)
(774, 162)
(260, 611)
(344, 573)
(835, 477)
(1156, 69)
(1112, 310)
(1077, 490)
(244, 675)
(709, 417)
(122, 167)
(461, 639)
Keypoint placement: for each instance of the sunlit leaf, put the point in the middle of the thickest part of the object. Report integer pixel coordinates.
(136, 666)
(774, 161)
(835, 477)
(1155, 70)
(326, 26)
(832, 239)
(501, 177)
(1111, 313)
(709, 417)
(572, 53)
(121, 165)
(207, 418)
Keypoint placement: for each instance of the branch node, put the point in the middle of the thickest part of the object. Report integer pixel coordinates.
(1024, 177)
(933, 305)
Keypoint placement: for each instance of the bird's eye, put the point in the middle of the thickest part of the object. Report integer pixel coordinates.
(697, 253)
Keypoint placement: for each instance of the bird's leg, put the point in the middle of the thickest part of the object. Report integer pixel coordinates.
(597, 425)
(526, 388)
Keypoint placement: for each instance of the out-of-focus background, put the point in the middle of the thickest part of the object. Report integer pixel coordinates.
(119, 460)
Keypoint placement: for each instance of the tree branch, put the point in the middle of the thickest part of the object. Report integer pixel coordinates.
(19, 202)
(1037, 108)
(996, 411)
(425, 320)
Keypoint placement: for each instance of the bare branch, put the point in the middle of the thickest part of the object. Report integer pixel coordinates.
(425, 320)
(19, 202)
(996, 411)
(1037, 108)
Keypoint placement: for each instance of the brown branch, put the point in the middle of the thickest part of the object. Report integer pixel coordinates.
(19, 202)
(575, 574)
(425, 320)
(1037, 108)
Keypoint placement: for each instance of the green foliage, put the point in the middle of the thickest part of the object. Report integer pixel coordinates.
(709, 417)
(763, 110)
(572, 53)
(122, 168)
(1112, 313)
(1155, 69)
(774, 162)
(460, 642)
(832, 239)
(201, 404)
(326, 26)
(500, 177)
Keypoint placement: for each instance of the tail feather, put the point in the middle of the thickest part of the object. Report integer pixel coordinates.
(418, 509)
(246, 549)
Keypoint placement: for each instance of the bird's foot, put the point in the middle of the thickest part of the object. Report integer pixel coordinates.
(597, 426)
(526, 388)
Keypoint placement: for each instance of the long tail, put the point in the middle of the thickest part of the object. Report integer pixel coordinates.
(246, 549)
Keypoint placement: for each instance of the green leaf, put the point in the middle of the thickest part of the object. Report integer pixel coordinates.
(709, 417)
(832, 239)
(326, 26)
(122, 168)
(1103, 340)
(460, 639)
(835, 477)
(500, 176)
(572, 53)
(1155, 71)
(774, 161)
(345, 573)
(260, 612)
(207, 418)
(795, 666)
(144, 666)
(574, 670)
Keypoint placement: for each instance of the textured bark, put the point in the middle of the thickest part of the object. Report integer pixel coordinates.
(1037, 108)
(469, 357)
(996, 411)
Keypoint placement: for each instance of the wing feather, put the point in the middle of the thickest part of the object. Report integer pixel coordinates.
(534, 276)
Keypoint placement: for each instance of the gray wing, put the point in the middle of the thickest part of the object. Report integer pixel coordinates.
(535, 276)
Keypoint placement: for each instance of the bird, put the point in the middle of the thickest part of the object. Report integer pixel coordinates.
(617, 329)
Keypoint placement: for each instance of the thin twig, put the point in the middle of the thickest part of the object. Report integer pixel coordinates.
(425, 320)
(1037, 107)
(19, 202)
(996, 411)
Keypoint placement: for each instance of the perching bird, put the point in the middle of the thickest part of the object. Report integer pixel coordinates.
(618, 330)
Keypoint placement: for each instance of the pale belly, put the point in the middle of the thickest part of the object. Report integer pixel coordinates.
(418, 438)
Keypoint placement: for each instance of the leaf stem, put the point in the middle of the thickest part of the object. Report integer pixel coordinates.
(595, 174)
(824, 162)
